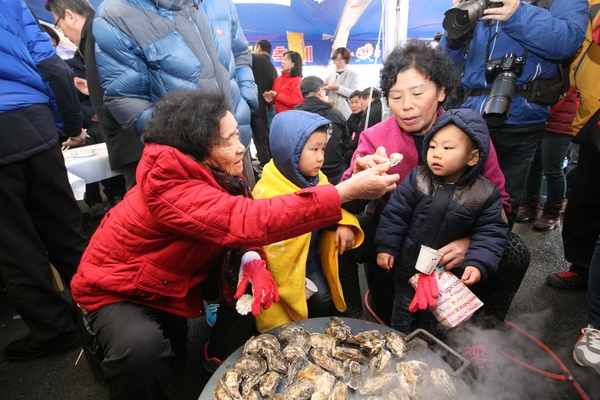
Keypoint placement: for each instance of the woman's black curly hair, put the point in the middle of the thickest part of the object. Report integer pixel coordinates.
(189, 121)
(431, 61)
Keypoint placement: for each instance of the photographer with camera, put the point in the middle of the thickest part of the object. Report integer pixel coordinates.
(508, 52)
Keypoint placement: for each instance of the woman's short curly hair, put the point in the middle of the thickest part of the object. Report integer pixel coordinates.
(431, 61)
(189, 121)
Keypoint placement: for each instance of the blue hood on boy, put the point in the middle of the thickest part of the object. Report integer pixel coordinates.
(474, 126)
(289, 133)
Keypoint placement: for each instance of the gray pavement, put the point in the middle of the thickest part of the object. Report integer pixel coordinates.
(553, 316)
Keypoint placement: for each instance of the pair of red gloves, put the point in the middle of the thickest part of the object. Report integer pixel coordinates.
(426, 293)
(253, 270)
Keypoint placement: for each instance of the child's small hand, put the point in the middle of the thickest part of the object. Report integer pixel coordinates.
(471, 275)
(385, 261)
(344, 238)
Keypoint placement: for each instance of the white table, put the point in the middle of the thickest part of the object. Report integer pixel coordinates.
(87, 169)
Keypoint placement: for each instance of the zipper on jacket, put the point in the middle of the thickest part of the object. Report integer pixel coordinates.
(202, 42)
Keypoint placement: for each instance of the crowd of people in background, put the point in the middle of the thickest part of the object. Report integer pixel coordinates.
(193, 217)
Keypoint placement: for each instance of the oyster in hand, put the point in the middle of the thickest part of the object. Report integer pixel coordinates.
(396, 158)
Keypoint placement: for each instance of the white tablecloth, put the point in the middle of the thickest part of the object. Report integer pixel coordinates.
(92, 168)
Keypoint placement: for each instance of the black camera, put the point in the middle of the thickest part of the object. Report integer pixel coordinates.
(503, 72)
(460, 21)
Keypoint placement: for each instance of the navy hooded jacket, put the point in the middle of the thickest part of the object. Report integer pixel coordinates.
(425, 210)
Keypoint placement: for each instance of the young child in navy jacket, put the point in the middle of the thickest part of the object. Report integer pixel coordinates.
(444, 200)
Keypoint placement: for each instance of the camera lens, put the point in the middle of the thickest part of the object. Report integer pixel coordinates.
(496, 110)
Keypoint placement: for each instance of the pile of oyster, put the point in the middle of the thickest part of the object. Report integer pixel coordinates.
(332, 365)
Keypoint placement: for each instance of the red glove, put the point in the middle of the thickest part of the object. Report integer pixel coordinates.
(264, 288)
(426, 293)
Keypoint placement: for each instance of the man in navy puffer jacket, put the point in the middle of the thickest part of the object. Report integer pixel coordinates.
(145, 49)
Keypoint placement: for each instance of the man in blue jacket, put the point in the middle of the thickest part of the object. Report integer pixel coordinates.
(523, 39)
(41, 221)
(146, 48)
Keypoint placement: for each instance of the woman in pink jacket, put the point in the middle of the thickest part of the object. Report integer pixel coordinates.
(414, 80)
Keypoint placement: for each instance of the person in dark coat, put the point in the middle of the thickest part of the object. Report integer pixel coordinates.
(41, 221)
(371, 114)
(114, 188)
(439, 202)
(313, 91)
(354, 124)
(75, 19)
(264, 75)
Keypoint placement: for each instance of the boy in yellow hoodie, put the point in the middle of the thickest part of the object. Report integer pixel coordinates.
(297, 142)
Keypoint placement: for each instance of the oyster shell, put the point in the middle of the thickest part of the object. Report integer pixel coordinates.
(380, 363)
(322, 359)
(250, 365)
(377, 385)
(442, 380)
(220, 392)
(267, 384)
(310, 373)
(295, 335)
(301, 390)
(322, 341)
(339, 392)
(249, 385)
(256, 344)
(275, 360)
(372, 342)
(396, 158)
(411, 374)
(353, 374)
(295, 367)
(338, 329)
(396, 344)
(231, 383)
(398, 394)
(254, 395)
(294, 351)
(323, 386)
(347, 353)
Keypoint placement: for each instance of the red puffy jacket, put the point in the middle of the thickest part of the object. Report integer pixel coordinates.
(160, 242)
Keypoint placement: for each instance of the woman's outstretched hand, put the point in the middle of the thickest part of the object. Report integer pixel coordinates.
(369, 184)
(371, 160)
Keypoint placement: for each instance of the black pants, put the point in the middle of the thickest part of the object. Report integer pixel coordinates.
(138, 343)
(260, 135)
(581, 224)
(40, 223)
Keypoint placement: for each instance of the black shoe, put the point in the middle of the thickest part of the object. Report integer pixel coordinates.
(25, 350)
(567, 280)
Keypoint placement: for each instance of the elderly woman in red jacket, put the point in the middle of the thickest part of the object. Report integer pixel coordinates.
(142, 271)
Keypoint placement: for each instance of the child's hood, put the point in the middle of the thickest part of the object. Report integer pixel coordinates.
(471, 123)
(289, 133)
